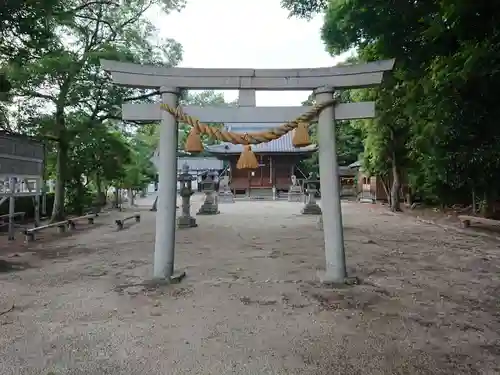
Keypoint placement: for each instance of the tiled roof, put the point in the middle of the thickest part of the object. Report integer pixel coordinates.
(282, 144)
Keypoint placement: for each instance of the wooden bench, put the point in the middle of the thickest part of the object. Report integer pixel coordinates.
(29, 234)
(16, 214)
(121, 222)
(465, 221)
(4, 219)
(61, 226)
(90, 219)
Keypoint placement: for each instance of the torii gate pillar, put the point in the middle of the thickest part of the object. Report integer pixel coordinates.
(167, 190)
(330, 188)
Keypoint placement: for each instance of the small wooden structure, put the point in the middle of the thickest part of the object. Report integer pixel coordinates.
(21, 169)
(466, 221)
(277, 161)
(348, 186)
(120, 223)
(374, 188)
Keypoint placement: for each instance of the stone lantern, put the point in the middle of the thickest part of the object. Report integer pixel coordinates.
(186, 191)
(211, 205)
(311, 207)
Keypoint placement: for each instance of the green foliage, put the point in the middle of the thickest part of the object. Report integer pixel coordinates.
(437, 115)
(51, 53)
(204, 98)
(348, 136)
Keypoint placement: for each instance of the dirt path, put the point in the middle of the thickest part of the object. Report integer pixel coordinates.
(250, 304)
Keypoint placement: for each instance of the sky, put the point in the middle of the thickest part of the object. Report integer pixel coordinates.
(246, 34)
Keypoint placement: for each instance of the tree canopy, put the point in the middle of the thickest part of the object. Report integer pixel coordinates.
(435, 129)
(54, 89)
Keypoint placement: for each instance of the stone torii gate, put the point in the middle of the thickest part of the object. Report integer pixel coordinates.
(324, 82)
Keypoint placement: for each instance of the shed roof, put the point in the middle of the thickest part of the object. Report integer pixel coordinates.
(356, 164)
(281, 145)
(345, 171)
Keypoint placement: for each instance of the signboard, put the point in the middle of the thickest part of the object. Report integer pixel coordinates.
(20, 156)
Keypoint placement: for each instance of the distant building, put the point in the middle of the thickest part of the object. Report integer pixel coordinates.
(197, 165)
(277, 159)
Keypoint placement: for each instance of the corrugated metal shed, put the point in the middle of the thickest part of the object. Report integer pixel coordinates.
(283, 144)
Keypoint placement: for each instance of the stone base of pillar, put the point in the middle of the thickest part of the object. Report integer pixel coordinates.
(311, 208)
(210, 206)
(226, 197)
(176, 278)
(184, 222)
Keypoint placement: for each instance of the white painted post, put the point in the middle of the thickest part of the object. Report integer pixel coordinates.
(167, 191)
(330, 192)
(12, 208)
(36, 200)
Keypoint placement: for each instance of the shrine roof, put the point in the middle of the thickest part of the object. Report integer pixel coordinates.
(281, 145)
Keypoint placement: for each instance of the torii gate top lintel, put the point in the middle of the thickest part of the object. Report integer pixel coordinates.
(346, 76)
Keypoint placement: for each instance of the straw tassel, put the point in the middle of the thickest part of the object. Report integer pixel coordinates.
(301, 135)
(247, 159)
(193, 141)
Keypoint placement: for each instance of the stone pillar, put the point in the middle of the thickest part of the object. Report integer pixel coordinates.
(330, 192)
(211, 205)
(311, 207)
(186, 191)
(167, 191)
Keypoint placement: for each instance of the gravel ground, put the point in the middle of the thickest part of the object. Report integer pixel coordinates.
(251, 304)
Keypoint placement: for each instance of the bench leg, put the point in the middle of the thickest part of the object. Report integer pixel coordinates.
(71, 225)
(91, 220)
(29, 237)
(119, 224)
(465, 223)
(137, 218)
(61, 229)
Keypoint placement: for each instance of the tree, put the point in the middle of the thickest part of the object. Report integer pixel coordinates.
(435, 115)
(202, 99)
(348, 137)
(68, 78)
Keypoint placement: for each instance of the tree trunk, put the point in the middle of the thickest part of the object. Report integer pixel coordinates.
(101, 197)
(488, 207)
(385, 185)
(130, 194)
(409, 197)
(396, 186)
(474, 208)
(61, 163)
(80, 196)
(118, 199)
